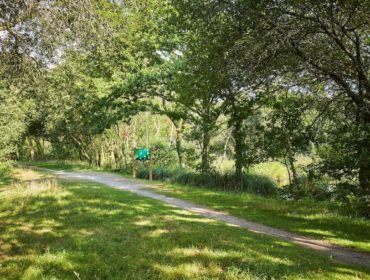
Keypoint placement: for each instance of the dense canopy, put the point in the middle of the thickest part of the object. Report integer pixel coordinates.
(225, 90)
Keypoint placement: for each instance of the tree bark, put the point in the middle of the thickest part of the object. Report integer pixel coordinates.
(288, 171)
(112, 155)
(179, 129)
(294, 184)
(101, 155)
(224, 154)
(206, 139)
(364, 164)
(39, 146)
(240, 148)
(32, 150)
(237, 116)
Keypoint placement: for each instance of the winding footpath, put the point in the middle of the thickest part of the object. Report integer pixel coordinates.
(341, 254)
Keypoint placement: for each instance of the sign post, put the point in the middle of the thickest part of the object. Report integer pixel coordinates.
(142, 154)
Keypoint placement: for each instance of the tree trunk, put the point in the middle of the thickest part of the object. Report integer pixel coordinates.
(294, 184)
(32, 150)
(237, 117)
(240, 148)
(364, 165)
(224, 154)
(179, 128)
(39, 146)
(112, 159)
(206, 139)
(101, 155)
(205, 166)
(288, 171)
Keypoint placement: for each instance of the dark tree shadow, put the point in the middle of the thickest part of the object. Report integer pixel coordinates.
(90, 231)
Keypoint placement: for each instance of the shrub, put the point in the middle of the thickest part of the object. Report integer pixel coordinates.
(5, 172)
(161, 174)
(227, 182)
(5, 169)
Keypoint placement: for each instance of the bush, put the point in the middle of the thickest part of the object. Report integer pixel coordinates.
(5, 170)
(227, 182)
(161, 174)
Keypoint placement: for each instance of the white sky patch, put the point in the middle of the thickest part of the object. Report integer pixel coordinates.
(168, 56)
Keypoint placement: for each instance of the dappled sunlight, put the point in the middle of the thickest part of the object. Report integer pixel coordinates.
(26, 174)
(304, 217)
(283, 244)
(343, 272)
(57, 259)
(85, 229)
(182, 212)
(23, 191)
(189, 270)
(204, 252)
(157, 233)
(317, 231)
(275, 260)
(37, 265)
(144, 222)
(188, 218)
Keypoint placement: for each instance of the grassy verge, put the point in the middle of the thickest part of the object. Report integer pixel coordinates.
(65, 165)
(53, 229)
(310, 218)
(6, 170)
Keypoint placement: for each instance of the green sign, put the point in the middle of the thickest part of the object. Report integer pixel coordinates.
(142, 154)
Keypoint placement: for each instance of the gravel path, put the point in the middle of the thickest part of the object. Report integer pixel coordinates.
(341, 254)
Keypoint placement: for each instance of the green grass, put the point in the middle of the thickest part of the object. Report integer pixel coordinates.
(65, 165)
(5, 173)
(310, 218)
(53, 229)
(274, 170)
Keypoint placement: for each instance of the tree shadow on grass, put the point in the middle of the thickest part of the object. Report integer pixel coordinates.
(90, 231)
(301, 217)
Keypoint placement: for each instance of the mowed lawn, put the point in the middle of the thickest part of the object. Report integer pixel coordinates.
(52, 229)
(310, 218)
(320, 220)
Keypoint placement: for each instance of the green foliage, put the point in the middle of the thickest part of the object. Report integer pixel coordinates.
(203, 82)
(275, 170)
(227, 182)
(6, 169)
(12, 122)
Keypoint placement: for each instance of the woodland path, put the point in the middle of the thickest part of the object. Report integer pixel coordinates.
(341, 254)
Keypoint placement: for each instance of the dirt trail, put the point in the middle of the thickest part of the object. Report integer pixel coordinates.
(342, 254)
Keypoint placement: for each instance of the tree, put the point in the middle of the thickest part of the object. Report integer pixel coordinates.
(34, 37)
(12, 123)
(287, 130)
(326, 42)
(35, 34)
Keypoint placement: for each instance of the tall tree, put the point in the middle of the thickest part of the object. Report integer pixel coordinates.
(324, 41)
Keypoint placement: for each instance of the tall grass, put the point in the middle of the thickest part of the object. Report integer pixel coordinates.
(252, 183)
(5, 169)
(20, 192)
